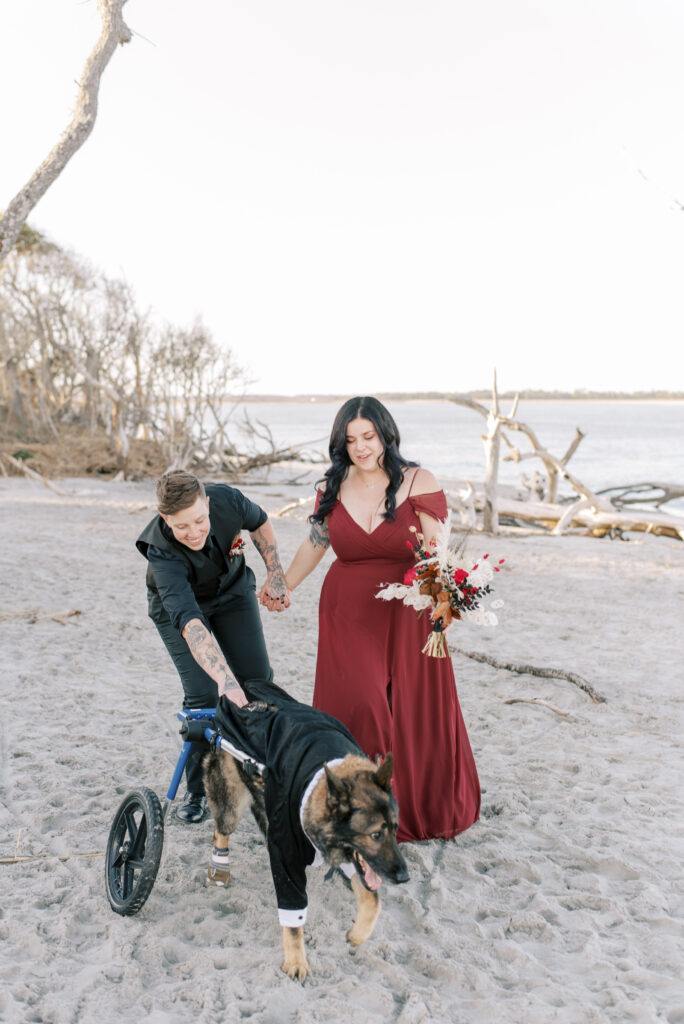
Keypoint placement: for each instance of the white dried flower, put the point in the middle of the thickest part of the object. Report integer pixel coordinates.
(482, 617)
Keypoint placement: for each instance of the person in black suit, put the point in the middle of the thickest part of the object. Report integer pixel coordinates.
(201, 597)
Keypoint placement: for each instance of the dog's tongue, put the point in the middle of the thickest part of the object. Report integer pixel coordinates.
(370, 878)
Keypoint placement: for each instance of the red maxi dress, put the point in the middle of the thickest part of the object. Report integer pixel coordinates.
(372, 676)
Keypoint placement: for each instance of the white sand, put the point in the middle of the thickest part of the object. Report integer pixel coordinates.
(565, 903)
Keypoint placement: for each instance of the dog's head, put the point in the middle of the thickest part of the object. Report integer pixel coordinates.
(359, 823)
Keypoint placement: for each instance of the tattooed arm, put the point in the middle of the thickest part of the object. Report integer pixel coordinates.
(209, 656)
(274, 593)
(308, 555)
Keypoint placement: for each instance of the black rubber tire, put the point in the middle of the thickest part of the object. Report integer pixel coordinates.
(134, 850)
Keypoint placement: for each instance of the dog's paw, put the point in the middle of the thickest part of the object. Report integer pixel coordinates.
(297, 969)
(217, 876)
(357, 936)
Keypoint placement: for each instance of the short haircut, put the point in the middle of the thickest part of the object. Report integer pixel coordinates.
(178, 490)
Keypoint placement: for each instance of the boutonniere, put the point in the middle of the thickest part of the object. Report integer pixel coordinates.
(237, 547)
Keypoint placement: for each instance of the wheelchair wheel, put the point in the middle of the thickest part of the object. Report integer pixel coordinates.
(134, 851)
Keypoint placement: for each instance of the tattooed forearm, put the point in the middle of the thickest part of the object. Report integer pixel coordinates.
(275, 586)
(319, 535)
(209, 656)
(265, 543)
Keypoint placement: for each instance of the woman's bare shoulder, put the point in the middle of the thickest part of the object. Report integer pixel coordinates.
(423, 482)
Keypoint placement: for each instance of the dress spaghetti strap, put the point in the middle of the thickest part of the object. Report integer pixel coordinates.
(413, 480)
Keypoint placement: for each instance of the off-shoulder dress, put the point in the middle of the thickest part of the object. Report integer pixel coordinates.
(372, 676)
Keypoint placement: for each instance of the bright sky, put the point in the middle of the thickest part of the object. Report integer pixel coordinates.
(377, 195)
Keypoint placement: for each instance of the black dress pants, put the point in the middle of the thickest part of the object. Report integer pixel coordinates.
(237, 629)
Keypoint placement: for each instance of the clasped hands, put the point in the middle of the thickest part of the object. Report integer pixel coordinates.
(275, 594)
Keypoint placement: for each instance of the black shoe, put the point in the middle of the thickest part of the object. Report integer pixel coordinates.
(193, 810)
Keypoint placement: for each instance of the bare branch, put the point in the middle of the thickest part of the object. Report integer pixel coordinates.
(538, 700)
(644, 493)
(31, 473)
(293, 504)
(600, 504)
(574, 445)
(114, 32)
(470, 403)
(532, 670)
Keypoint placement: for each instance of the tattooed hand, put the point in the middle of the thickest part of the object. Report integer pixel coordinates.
(275, 594)
(233, 691)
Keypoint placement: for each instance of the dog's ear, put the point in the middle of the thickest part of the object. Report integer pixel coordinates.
(383, 776)
(338, 792)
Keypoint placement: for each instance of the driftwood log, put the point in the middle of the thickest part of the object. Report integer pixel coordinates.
(539, 701)
(30, 473)
(592, 521)
(596, 513)
(540, 517)
(532, 670)
(651, 493)
(32, 617)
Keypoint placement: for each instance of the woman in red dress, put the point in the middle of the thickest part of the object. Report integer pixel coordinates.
(370, 672)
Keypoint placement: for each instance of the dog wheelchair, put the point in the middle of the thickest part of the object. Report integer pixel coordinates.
(136, 838)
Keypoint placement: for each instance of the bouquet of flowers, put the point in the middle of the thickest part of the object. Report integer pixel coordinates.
(447, 584)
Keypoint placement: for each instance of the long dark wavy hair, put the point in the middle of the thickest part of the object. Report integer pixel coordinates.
(393, 462)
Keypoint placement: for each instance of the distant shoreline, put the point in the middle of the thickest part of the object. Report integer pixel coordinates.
(485, 396)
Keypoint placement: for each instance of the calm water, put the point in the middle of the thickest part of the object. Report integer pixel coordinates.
(625, 442)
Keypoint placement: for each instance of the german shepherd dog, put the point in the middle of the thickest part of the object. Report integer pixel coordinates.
(344, 810)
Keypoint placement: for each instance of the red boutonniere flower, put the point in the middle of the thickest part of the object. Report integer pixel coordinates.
(237, 547)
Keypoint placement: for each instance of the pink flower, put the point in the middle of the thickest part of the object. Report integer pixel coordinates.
(409, 577)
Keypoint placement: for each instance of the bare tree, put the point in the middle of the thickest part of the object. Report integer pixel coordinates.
(191, 388)
(75, 351)
(72, 345)
(114, 32)
(592, 511)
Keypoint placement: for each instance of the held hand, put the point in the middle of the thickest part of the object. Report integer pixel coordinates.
(276, 604)
(275, 594)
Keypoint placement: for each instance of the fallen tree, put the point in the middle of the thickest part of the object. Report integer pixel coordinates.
(597, 513)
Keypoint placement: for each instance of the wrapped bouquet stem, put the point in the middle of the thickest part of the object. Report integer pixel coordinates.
(449, 586)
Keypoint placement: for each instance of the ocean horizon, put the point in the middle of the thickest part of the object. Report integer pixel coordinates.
(627, 441)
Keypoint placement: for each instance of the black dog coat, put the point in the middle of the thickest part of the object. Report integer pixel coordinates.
(292, 742)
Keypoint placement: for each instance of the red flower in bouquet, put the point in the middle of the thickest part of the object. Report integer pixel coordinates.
(440, 581)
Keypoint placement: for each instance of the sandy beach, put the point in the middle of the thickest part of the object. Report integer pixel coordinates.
(564, 903)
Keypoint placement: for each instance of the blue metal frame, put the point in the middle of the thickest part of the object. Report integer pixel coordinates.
(209, 734)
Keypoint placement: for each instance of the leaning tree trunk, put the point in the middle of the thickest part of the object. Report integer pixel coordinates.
(492, 441)
(114, 32)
